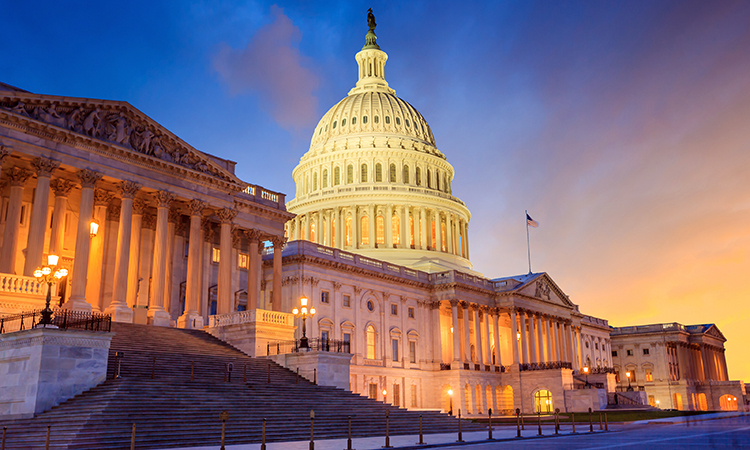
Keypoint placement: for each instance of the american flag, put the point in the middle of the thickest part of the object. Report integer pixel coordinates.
(531, 222)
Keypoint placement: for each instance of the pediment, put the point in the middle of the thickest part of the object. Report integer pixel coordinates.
(544, 288)
(713, 330)
(117, 124)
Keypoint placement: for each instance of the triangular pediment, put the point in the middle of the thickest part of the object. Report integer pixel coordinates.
(713, 330)
(117, 124)
(542, 286)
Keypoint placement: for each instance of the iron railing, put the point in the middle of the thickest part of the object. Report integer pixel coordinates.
(546, 366)
(63, 319)
(313, 344)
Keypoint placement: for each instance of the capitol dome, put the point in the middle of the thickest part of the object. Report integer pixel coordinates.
(373, 181)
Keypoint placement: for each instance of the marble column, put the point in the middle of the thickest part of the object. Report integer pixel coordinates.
(532, 340)
(388, 226)
(319, 232)
(306, 225)
(253, 274)
(514, 338)
(466, 236)
(96, 259)
(278, 247)
(574, 347)
(191, 317)
(723, 360)
(438, 231)
(496, 324)
(448, 233)
(38, 226)
(175, 219)
(437, 333)
(455, 335)
(467, 335)
(478, 337)
(405, 237)
(488, 341)
(540, 337)
(423, 234)
(17, 177)
(157, 315)
(524, 338)
(134, 265)
(548, 332)
(225, 300)
(61, 187)
(340, 228)
(77, 298)
(356, 227)
(118, 308)
(371, 226)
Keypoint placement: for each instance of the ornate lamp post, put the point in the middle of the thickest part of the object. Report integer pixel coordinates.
(303, 312)
(586, 371)
(450, 398)
(48, 274)
(630, 388)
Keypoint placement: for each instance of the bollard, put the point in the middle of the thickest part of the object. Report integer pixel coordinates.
(192, 370)
(387, 430)
(606, 426)
(518, 422)
(591, 423)
(223, 416)
(269, 372)
(2, 444)
(46, 443)
(489, 424)
(460, 435)
(421, 436)
(312, 426)
(557, 421)
(153, 367)
(263, 436)
(297, 375)
(539, 417)
(315, 376)
(118, 358)
(601, 426)
(132, 438)
(573, 421)
(349, 439)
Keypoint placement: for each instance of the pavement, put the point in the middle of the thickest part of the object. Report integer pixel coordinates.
(718, 430)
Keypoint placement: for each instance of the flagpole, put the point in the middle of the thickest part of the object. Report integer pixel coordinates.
(528, 245)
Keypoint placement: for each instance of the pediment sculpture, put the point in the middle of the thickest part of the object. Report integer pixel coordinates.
(542, 290)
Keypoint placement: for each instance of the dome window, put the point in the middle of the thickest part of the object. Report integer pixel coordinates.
(326, 127)
(405, 175)
(398, 121)
(336, 176)
(364, 119)
(325, 178)
(378, 173)
(363, 174)
(354, 120)
(343, 122)
(387, 119)
(407, 123)
(392, 173)
(349, 174)
(376, 119)
(334, 124)
(418, 176)
(320, 131)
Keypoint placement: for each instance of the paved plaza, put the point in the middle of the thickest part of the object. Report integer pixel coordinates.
(720, 430)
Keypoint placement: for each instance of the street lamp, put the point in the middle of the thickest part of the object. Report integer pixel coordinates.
(630, 388)
(385, 393)
(303, 312)
(450, 399)
(586, 371)
(48, 274)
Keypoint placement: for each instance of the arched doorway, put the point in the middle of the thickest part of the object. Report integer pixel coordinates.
(702, 403)
(728, 402)
(543, 401)
(678, 402)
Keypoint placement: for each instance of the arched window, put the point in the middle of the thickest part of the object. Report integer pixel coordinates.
(376, 119)
(418, 176)
(429, 179)
(349, 231)
(437, 179)
(364, 119)
(405, 176)
(392, 173)
(349, 174)
(543, 401)
(315, 182)
(387, 119)
(363, 174)
(364, 230)
(370, 342)
(378, 173)
(396, 227)
(343, 122)
(445, 183)
(336, 176)
(325, 178)
(379, 230)
(354, 120)
(312, 232)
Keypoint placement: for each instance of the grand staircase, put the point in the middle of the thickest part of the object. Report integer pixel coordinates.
(173, 386)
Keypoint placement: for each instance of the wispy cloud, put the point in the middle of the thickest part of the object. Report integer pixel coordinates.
(272, 67)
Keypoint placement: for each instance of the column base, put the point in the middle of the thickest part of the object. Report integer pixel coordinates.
(191, 320)
(77, 304)
(158, 317)
(120, 313)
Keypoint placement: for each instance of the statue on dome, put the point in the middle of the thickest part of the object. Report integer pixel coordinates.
(371, 19)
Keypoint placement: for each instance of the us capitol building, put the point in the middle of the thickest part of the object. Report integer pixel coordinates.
(155, 231)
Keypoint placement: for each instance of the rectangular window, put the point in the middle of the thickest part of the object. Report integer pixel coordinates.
(614, 353)
(411, 312)
(347, 301)
(649, 375)
(242, 261)
(596, 345)
(324, 335)
(413, 396)
(373, 391)
(324, 297)
(652, 401)
(630, 352)
(347, 338)
(394, 309)
(396, 394)
(394, 344)
(412, 352)
(645, 351)
(215, 255)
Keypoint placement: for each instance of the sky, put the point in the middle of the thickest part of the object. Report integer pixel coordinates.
(621, 126)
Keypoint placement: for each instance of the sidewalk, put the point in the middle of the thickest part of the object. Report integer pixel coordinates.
(696, 418)
(410, 441)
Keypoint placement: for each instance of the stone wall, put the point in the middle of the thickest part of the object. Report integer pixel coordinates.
(580, 400)
(252, 338)
(41, 368)
(329, 368)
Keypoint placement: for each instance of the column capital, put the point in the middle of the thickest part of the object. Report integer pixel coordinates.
(44, 167)
(253, 235)
(149, 222)
(174, 215)
(138, 206)
(61, 187)
(278, 241)
(128, 188)
(196, 207)
(102, 197)
(113, 213)
(236, 238)
(163, 198)
(5, 151)
(454, 303)
(434, 305)
(17, 176)
(208, 229)
(226, 215)
(89, 178)
(464, 305)
(474, 307)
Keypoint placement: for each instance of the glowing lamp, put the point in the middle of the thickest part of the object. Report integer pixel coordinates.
(518, 336)
(52, 259)
(63, 272)
(627, 374)
(451, 329)
(304, 310)
(450, 391)
(46, 270)
(38, 273)
(303, 301)
(94, 228)
(385, 392)
(585, 370)
(312, 311)
(295, 311)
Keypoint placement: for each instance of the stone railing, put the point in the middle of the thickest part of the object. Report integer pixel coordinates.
(594, 321)
(262, 195)
(251, 316)
(18, 284)
(373, 187)
(655, 328)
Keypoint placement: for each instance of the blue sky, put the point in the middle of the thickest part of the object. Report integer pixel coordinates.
(621, 126)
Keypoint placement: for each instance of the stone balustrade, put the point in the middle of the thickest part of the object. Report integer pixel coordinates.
(19, 284)
(251, 316)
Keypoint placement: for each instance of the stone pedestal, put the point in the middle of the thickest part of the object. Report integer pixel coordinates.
(580, 400)
(43, 367)
(251, 331)
(329, 368)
